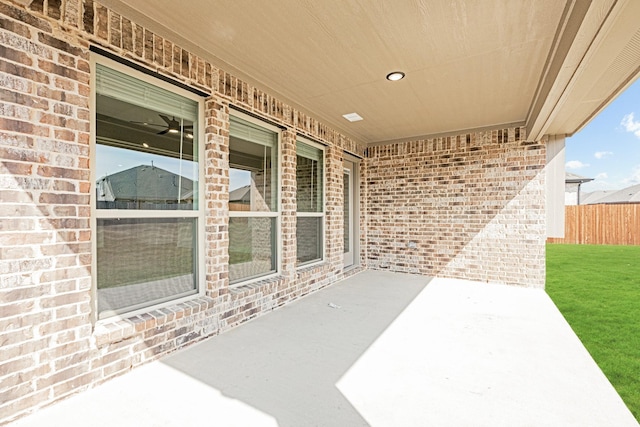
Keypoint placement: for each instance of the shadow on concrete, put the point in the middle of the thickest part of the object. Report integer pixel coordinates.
(391, 350)
(287, 364)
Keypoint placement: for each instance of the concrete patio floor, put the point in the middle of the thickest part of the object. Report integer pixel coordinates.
(379, 349)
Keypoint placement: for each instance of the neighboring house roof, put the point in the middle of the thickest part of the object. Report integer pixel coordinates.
(626, 195)
(572, 178)
(145, 183)
(572, 184)
(592, 197)
(242, 194)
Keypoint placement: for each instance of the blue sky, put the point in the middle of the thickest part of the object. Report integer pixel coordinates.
(608, 148)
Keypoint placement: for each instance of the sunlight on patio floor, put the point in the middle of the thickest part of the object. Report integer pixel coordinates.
(379, 349)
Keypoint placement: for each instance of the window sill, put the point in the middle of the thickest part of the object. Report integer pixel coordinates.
(116, 329)
(254, 284)
(310, 267)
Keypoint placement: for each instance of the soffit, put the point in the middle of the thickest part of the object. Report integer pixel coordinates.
(609, 64)
(468, 64)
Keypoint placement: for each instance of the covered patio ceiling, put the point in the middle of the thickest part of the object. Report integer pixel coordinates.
(549, 65)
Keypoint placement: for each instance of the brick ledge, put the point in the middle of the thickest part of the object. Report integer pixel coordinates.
(116, 329)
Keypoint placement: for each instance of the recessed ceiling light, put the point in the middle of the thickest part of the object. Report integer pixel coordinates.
(145, 145)
(395, 76)
(352, 117)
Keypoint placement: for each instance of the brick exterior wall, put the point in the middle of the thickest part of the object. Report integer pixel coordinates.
(470, 202)
(50, 344)
(467, 206)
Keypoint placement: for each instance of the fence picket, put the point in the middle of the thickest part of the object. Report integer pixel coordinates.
(607, 224)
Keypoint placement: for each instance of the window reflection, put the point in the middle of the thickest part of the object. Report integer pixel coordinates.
(253, 200)
(309, 198)
(145, 159)
(309, 184)
(252, 177)
(308, 239)
(252, 244)
(144, 260)
(146, 168)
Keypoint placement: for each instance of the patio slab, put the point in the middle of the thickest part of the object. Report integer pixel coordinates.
(378, 349)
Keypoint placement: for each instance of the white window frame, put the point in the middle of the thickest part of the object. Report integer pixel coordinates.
(262, 214)
(97, 214)
(322, 214)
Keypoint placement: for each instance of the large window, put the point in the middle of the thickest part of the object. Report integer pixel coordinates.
(310, 201)
(147, 207)
(253, 200)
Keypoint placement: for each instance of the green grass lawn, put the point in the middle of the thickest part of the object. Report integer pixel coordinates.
(597, 289)
(134, 263)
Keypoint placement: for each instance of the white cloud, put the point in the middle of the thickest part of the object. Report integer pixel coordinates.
(602, 175)
(602, 154)
(576, 164)
(634, 178)
(631, 125)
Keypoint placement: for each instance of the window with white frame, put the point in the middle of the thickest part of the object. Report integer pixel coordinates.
(253, 199)
(310, 202)
(147, 208)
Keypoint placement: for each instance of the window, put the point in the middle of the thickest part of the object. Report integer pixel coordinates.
(147, 206)
(310, 201)
(253, 200)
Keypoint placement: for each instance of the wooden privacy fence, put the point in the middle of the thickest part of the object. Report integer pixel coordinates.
(617, 224)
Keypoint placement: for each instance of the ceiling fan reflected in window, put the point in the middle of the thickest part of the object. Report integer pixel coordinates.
(172, 126)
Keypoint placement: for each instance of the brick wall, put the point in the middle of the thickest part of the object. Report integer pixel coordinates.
(45, 282)
(50, 346)
(467, 206)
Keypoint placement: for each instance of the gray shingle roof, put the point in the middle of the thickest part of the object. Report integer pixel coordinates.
(147, 183)
(626, 195)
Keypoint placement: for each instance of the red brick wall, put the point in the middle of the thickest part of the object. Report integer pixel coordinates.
(49, 344)
(45, 275)
(472, 204)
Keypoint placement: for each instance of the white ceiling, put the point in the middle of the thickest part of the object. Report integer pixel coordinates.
(547, 64)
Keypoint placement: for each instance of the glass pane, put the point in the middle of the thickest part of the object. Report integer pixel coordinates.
(253, 168)
(252, 243)
(347, 213)
(309, 239)
(145, 157)
(309, 182)
(144, 261)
